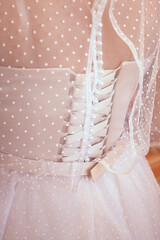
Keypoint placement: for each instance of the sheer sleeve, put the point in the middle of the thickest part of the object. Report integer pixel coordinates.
(155, 130)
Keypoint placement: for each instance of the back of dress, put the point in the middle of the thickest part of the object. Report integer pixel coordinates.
(77, 94)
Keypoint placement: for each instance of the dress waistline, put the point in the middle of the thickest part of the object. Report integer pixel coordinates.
(93, 168)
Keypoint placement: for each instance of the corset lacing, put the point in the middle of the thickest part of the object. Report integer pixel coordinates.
(72, 132)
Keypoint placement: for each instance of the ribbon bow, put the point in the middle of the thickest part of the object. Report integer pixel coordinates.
(103, 165)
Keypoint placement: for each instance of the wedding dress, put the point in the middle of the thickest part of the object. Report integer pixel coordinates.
(74, 131)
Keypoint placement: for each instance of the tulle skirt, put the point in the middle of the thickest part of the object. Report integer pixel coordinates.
(115, 207)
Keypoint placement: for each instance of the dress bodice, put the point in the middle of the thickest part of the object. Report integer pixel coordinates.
(43, 111)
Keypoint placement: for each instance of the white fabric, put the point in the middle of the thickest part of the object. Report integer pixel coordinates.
(46, 47)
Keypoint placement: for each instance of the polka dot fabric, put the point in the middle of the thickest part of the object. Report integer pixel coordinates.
(34, 111)
(50, 36)
(79, 108)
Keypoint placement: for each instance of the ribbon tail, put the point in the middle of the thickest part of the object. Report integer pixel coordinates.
(103, 165)
(97, 171)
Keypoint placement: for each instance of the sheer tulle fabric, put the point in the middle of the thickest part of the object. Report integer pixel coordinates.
(79, 85)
